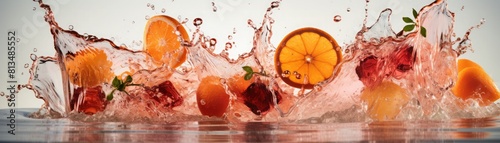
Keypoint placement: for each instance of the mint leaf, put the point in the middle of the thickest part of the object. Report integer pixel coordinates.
(248, 69)
(129, 79)
(248, 76)
(121, 87)
(407, 20)
(116, 82)
(423, 31)
(409, 28)
(415, 14)
(110, 95)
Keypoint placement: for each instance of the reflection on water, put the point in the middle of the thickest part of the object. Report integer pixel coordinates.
(65, 130)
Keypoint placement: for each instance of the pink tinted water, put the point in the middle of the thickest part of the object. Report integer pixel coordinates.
(424, 66)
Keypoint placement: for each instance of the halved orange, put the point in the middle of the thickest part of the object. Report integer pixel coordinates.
(474, 83)
(306, 57)
(88, 67)
(162, 42)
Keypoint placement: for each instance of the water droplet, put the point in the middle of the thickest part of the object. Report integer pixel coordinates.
(148, 4)
(234, 30)
(70, 27)
(133, 22)
(112, 38)
(464, 46)
(18, 39)
(250, 23)
(184, 21)
(285, 74)
(147, 17)
(463, 7)
(214, 8)
(318, 87)
(85, 36)
(337, 18)
(35, 49)
(202, 102)
(213, 41)
(34, 8)
(223, 81)
(347, 50)
(237, 114)
(2, 94)
(163, 10)
(348, 9)
(26, 65)
(197, 21)
(229, 37)
(275, 4)
(229, 45)
(297, 74)
(33, 57)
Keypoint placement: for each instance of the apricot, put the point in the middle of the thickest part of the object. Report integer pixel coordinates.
(474, 83)
(384, 100)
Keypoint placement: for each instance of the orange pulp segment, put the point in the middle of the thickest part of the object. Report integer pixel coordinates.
(211, 97)
(384, 100)
(307, 56)
(88, 67)
(474, 83)
(162, 42)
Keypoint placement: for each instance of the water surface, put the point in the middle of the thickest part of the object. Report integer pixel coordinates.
(66, 130)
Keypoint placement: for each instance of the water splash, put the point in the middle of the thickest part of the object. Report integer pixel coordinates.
(378, 54)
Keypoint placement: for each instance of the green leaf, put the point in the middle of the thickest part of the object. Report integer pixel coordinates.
(110, 95)
(116, 82)
(407, 20)
(248, 69)
(129, 79)
(121, 87)
(409, 28)
(248, 76)
(423, 31)
(415, 14)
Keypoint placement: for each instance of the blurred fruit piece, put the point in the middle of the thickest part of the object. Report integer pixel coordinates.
(384, 100)
(212, 97)
(474, 83)
(93, 100)
(88, 67)
(259, 99)
(162, 42)
(237, 84)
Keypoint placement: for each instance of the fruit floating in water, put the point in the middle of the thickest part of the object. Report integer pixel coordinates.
(307, 56)
(162, 42)
(474, 83)
(93, 100)
(259, 99)
(211, 97)
(384, 100)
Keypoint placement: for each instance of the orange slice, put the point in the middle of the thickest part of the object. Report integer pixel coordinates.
(384, 100)
(211, 97)
(162, 42)
(88, 67)
(307, 56)
(474, 83)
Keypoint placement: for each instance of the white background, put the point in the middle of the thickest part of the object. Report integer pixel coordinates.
(124, 22)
